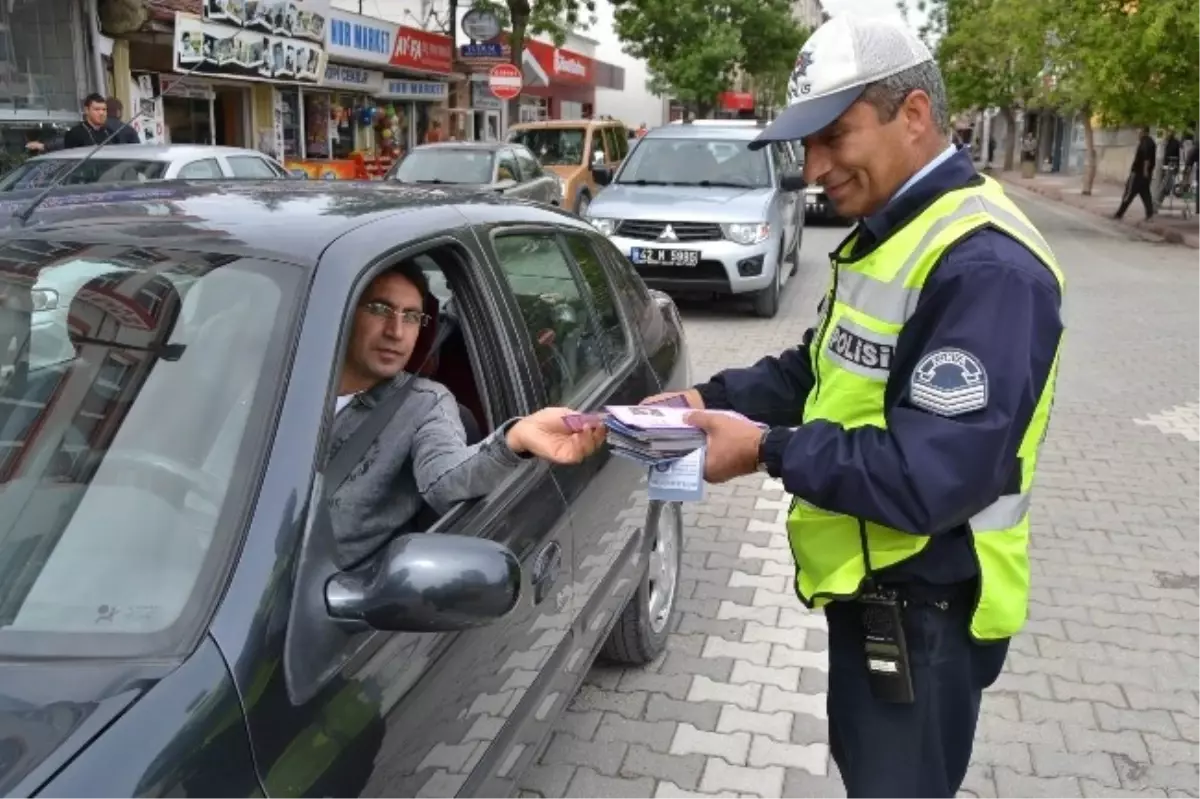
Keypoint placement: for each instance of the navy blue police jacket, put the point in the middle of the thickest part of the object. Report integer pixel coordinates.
(927, 473)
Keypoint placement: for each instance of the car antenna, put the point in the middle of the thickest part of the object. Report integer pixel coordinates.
(27, 212)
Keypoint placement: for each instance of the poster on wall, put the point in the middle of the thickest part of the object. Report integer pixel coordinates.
(299, 19)
(211, 49)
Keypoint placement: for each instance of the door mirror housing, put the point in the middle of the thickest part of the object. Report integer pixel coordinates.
(297, 174)
(792, 180)
(429, 582)
(602, 175)
(504, 184)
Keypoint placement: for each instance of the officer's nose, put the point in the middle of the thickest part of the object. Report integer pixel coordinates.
(816, 164)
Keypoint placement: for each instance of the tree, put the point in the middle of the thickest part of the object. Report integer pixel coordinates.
(693, 49)
(991, 53)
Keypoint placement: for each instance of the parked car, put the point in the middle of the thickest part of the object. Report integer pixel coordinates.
(172, 621)
(139, 163)
(695, 210)
(570, 148)
(506, 169)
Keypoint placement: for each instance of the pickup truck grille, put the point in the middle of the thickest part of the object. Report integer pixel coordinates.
(685, 231)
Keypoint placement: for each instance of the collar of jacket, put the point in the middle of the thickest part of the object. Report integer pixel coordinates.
(953, 173)
(371, 397)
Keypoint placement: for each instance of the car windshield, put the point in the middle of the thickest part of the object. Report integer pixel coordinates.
(445, 165)
(39, 173)
(696, 162)
(554, 146)
(135, 387)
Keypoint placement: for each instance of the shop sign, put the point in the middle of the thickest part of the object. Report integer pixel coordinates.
(418, 49)
(482, 50)
(355, 38)
(562, 66)
(341, 76)
(207, 48)
(298, 19)
(427, 90)
(482, 98)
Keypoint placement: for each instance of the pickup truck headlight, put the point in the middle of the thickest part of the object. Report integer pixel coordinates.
(747, 232)
(605, 226)
(44, 299)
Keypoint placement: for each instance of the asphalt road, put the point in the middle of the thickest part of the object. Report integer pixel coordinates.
(1099, 696)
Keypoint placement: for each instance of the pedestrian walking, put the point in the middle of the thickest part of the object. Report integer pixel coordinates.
(908, 421)
(1140, 173)
(125, 134)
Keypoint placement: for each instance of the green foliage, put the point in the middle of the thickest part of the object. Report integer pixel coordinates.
(693, 48)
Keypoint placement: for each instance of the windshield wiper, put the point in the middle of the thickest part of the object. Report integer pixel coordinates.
(650, 183)
(434, 180)
(719, 184)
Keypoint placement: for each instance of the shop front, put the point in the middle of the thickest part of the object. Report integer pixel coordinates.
(559, 83)
(384, 92)
(44, 72)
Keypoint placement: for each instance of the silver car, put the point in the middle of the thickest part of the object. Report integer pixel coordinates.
(140, 163)
(695, 209)
(503, 167)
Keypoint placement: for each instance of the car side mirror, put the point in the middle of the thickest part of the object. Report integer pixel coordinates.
(429, 582)
(297, 174)
(597, 157)
(504, 184)
(602, 175)
(792, 180)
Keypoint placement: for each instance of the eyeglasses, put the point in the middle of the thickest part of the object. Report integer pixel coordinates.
(385, 311)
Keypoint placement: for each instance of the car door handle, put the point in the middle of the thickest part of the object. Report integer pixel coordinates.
(546, 567)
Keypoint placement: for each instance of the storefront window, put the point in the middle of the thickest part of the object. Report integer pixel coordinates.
(289, 121)
(422, 113)
(317, 110)
(37, 53)
(344, 114)
(187, 120)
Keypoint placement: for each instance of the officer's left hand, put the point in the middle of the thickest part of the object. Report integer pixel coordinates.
(732, 445)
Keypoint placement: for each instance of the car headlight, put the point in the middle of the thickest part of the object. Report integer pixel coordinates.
(605, 226)
(44, 299)
(747, 232)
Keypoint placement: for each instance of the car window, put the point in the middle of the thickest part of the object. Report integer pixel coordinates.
(621, 141)
(39, 173)
(444, 165)
(530, 168)
(506, 166)
(553, 146)
(132, 419)
(250, 166)
(204, 169)
(557, 319)
(613, 337)
(693, 161)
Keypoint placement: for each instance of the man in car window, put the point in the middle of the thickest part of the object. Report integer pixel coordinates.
(422, 454)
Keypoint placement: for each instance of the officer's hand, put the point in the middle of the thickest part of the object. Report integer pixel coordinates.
(691, 396)
(732, 445)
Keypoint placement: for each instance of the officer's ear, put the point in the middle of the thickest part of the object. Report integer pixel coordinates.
(916, 112)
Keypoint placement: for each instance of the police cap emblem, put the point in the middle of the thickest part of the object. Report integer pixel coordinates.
(949, 382)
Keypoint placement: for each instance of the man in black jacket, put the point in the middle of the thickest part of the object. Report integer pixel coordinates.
(125, 133)
(91, 130)
(1139, 176)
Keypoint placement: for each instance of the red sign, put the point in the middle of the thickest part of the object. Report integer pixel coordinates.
(736, 101)
(505, 81)
(563, 66)
(418, 49)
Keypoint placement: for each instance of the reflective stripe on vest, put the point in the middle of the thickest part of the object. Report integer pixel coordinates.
(866, 309)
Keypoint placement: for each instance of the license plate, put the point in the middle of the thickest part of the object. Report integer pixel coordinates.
(653, 256)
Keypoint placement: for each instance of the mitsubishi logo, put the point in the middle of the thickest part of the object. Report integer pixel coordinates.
(668, 234)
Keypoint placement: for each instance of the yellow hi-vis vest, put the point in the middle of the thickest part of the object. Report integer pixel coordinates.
(873, 297)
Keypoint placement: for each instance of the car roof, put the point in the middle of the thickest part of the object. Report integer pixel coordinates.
(282, 219)
(485, 146)
(706, 132)
(556, 124)
(148, 152)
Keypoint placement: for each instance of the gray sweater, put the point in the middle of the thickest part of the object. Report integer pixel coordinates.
(421, 455)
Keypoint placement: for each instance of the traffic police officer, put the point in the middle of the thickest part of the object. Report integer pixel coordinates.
(907, 423)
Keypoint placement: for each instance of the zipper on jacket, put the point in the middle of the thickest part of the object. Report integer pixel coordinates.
(824, 327)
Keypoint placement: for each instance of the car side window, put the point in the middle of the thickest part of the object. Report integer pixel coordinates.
(621, 142)
(553, 307)
(612, 333)
(506, 166)
(204, 169)
(250, 166)
(530, 168)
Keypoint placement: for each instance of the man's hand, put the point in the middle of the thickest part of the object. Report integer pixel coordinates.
(545, 435)
(691, 395)
(732, 445)
(35, 146)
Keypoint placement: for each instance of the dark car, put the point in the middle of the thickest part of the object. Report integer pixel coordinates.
(172, 621)
(507, 169)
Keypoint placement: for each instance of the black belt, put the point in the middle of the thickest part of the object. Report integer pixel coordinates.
(940, 596)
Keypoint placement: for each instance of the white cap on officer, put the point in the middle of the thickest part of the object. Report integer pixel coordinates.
(833, 68)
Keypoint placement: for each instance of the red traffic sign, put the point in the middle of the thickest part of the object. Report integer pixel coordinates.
(505, 81)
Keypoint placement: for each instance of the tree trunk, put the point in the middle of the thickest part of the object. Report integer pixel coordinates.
(1010, 137)
(519, 11)
(1089, 151)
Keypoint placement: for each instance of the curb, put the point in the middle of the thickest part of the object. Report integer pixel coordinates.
(1168, 234)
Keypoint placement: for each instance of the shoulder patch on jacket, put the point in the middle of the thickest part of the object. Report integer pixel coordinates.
(949, 382)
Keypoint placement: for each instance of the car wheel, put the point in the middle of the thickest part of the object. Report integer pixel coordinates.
(582, 205)
(640, 634)
(766, 301)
